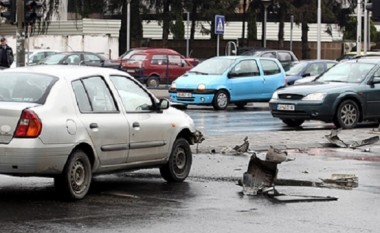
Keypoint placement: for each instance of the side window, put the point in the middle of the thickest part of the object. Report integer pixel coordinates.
(315, 69)
(269, 54)
(174, 60)
(282, 56)
(270, 67)
(159, 60)
(73, 59)
(246, 68)
(91, 59)
(93, 95)
(330, 64)
(134, 98)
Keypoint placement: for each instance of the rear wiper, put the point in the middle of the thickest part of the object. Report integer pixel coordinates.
(197, 72)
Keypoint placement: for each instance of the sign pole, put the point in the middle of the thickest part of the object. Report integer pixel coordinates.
(217, 45)
(219, 30)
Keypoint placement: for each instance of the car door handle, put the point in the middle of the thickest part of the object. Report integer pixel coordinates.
(93, 125)
(135, 125)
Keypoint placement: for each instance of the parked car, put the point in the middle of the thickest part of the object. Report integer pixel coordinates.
(33, 56)
(79, 58)
(125, 56)
(73, 122)
(156, 66)
(220, 81)
(346, 94)
(306, 68)
(286, 57)
(354, 55)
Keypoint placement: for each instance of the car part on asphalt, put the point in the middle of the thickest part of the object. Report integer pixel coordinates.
(345, 181)
(243, 147)
(333, 138)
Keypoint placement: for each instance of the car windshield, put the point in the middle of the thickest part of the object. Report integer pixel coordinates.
(215, 66)
(351, 72)
(252, 52)
(296, 68)
(129, 53)
(137, 58)
(53, 59)
(24, 87)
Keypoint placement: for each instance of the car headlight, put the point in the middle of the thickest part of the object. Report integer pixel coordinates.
(201, 87)
(275, 95)
(315, 96)
(173, 86)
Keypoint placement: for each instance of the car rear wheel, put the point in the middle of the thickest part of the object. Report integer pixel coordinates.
(293, 122)
(221, 100)
(153, 81)
(178, 167)
(347, 115)
(75, 180)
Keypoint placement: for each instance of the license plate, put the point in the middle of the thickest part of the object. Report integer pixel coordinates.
(285, 107)
(130, 71)
(184, 94)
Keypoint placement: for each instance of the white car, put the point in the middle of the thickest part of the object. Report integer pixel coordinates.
(73, 122)
(33, 56)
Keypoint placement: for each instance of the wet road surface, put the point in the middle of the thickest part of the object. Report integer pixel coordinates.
(209, 200)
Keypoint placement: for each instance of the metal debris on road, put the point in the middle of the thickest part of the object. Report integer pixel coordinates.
(333, 138)
(344, 181)
(243, 147)
(261, 174)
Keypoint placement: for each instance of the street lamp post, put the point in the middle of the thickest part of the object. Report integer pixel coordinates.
(128, 23)
(266, 3)
(319, 30)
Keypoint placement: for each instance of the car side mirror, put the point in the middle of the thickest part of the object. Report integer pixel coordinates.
(375, 80)
(232, 74)
(164, 104)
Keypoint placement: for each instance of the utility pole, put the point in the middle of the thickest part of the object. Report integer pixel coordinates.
(20, 35)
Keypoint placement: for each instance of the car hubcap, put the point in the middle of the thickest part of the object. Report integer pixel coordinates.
(349, 114)
(180, 160)
(222, 100)
(78, 177)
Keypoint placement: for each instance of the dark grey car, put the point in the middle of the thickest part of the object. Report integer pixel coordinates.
(286, 57)
(346, 94)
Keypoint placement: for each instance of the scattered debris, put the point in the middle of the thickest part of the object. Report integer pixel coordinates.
(333, 138)
(261, 174)
(261, 177)
(243, 147)
(345, 181)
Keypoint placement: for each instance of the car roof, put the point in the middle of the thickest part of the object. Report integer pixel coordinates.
(69, 72)
(374, 60)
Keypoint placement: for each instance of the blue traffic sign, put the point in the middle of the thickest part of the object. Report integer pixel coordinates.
(219, 24)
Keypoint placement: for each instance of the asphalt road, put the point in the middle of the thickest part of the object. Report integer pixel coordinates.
(210, 200)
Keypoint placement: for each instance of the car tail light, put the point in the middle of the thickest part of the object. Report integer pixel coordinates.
(29, 125)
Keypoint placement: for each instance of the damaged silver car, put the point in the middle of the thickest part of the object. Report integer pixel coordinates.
(73, 122)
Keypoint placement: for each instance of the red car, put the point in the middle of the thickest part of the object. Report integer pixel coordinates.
(154, 66)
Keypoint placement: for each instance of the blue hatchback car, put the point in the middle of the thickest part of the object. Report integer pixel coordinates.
(222, 80)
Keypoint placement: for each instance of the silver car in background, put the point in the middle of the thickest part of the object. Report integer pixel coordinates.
(73, 122)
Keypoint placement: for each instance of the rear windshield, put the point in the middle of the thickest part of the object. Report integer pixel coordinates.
(25, 87)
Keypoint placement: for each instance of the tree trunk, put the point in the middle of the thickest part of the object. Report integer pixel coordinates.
(166, 23)
(304, 39)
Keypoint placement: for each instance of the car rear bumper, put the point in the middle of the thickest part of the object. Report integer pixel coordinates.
(303, 110)
(30, 158)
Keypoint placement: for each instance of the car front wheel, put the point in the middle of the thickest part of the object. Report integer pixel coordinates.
(153, 81)
(178, 167)
(221, 100)
(75, 180)
(347, 115)
(293, 122)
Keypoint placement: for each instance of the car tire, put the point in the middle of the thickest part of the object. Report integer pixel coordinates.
(347, 115)
(153, 82)
(293, 122)
(74, 182)
(240, 105)
(178, 167)
(221, 100)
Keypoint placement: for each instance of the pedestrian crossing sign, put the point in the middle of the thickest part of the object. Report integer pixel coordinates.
(219, 24)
